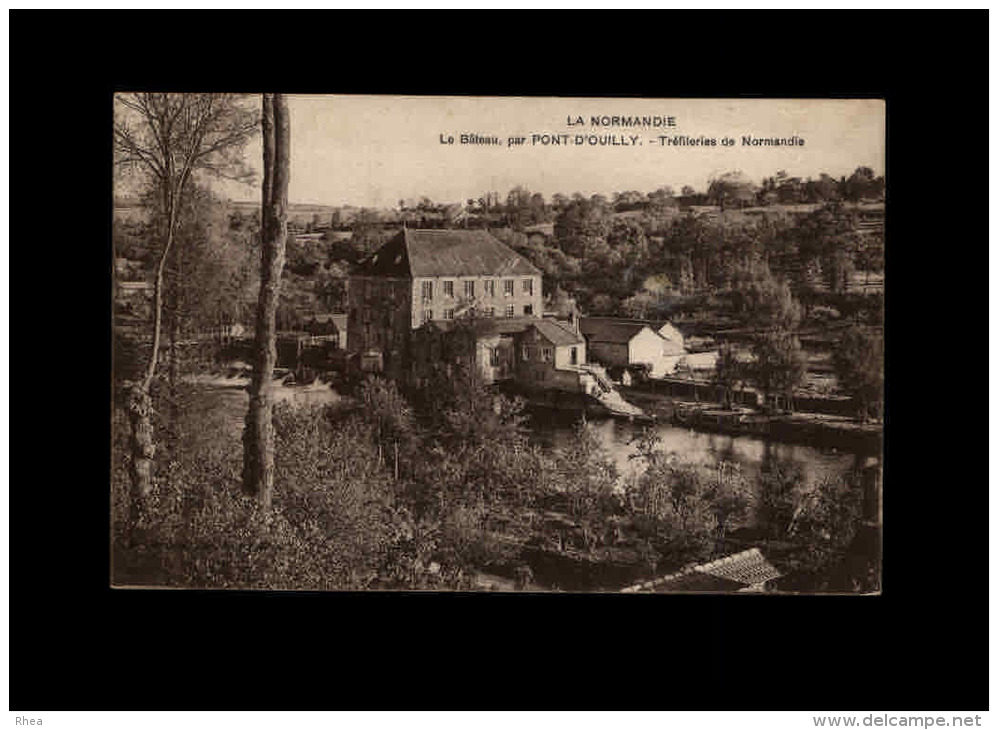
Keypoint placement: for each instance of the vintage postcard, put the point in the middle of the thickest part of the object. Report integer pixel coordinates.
(498, 343)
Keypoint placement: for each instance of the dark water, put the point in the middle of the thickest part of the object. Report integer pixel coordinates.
(551, 428)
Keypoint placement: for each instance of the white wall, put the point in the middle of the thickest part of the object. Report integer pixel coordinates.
(645, 347)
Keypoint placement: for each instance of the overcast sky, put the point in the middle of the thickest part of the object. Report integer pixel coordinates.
(375, 150)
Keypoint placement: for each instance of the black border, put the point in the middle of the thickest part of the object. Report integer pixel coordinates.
(77, 645)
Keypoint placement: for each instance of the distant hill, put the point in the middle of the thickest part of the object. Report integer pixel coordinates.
(293, 208)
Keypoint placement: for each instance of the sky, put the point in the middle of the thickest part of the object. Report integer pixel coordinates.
(375, 150)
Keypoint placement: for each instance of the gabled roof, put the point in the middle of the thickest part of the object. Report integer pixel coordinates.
(669, 332)
(484, 326)
(557, 333)
(611, 329)
(433, 253)
(553, 331)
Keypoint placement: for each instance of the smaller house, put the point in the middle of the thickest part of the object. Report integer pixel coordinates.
(619, 342)
(549, 356)
(536, 353)
(331, 328)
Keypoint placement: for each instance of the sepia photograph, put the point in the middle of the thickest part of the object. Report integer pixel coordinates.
(497, 344)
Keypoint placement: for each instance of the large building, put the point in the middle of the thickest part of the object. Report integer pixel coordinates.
(422, 276)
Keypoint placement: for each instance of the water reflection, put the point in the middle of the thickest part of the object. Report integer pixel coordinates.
(752, 453)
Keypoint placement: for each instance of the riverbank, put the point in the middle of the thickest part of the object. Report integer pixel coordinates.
(820, 430)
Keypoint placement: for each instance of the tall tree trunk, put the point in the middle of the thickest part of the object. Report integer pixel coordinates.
(174, 367)
(258, 435)
(140, 406)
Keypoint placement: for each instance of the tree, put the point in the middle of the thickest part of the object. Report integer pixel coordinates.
(731, 189)
(258, 435)
(859, 364)
(588, 479)
(730, 372)
(390, 418)
(209, 274)
(168, 139)
(762, 300)
(862, 184)
(580, 225)
(780, 363)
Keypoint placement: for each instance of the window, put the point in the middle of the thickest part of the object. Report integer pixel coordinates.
(524, 353)
(528, 286)
(448, 314)
(507, 288)
(574, 355)
(528, 309)
(546, 354)
(427, 315)
(427, 291)
(490, 288)
(367, 315)
(448, 288)
(494, 356)
(469, 288)
(509, 310)
(489, 312)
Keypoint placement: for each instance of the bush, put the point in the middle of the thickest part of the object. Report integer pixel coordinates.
(329, 528)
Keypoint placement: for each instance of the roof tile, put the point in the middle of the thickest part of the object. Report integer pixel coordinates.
(446, 252)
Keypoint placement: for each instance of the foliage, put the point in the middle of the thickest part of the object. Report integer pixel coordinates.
(731, 189)
(825, 522)
(781, 485)
(780, 363)
(587, 480)
(686, 509)
(859, 364)
(730, 371)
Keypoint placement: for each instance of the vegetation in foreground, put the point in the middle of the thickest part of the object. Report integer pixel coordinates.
(396, 497)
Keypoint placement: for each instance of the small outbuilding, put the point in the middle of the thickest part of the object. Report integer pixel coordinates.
(627, 342)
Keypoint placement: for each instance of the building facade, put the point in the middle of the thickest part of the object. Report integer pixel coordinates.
(422, 276)
(536, 354)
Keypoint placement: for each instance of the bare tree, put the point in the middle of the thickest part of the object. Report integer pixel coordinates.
(168, 139)
(258, 435)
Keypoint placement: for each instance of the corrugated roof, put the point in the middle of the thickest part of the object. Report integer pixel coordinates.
(444, 252)
(729, 574)
(749, 567)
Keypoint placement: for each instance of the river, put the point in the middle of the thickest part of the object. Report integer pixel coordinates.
(556, 428)
(551, 428)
